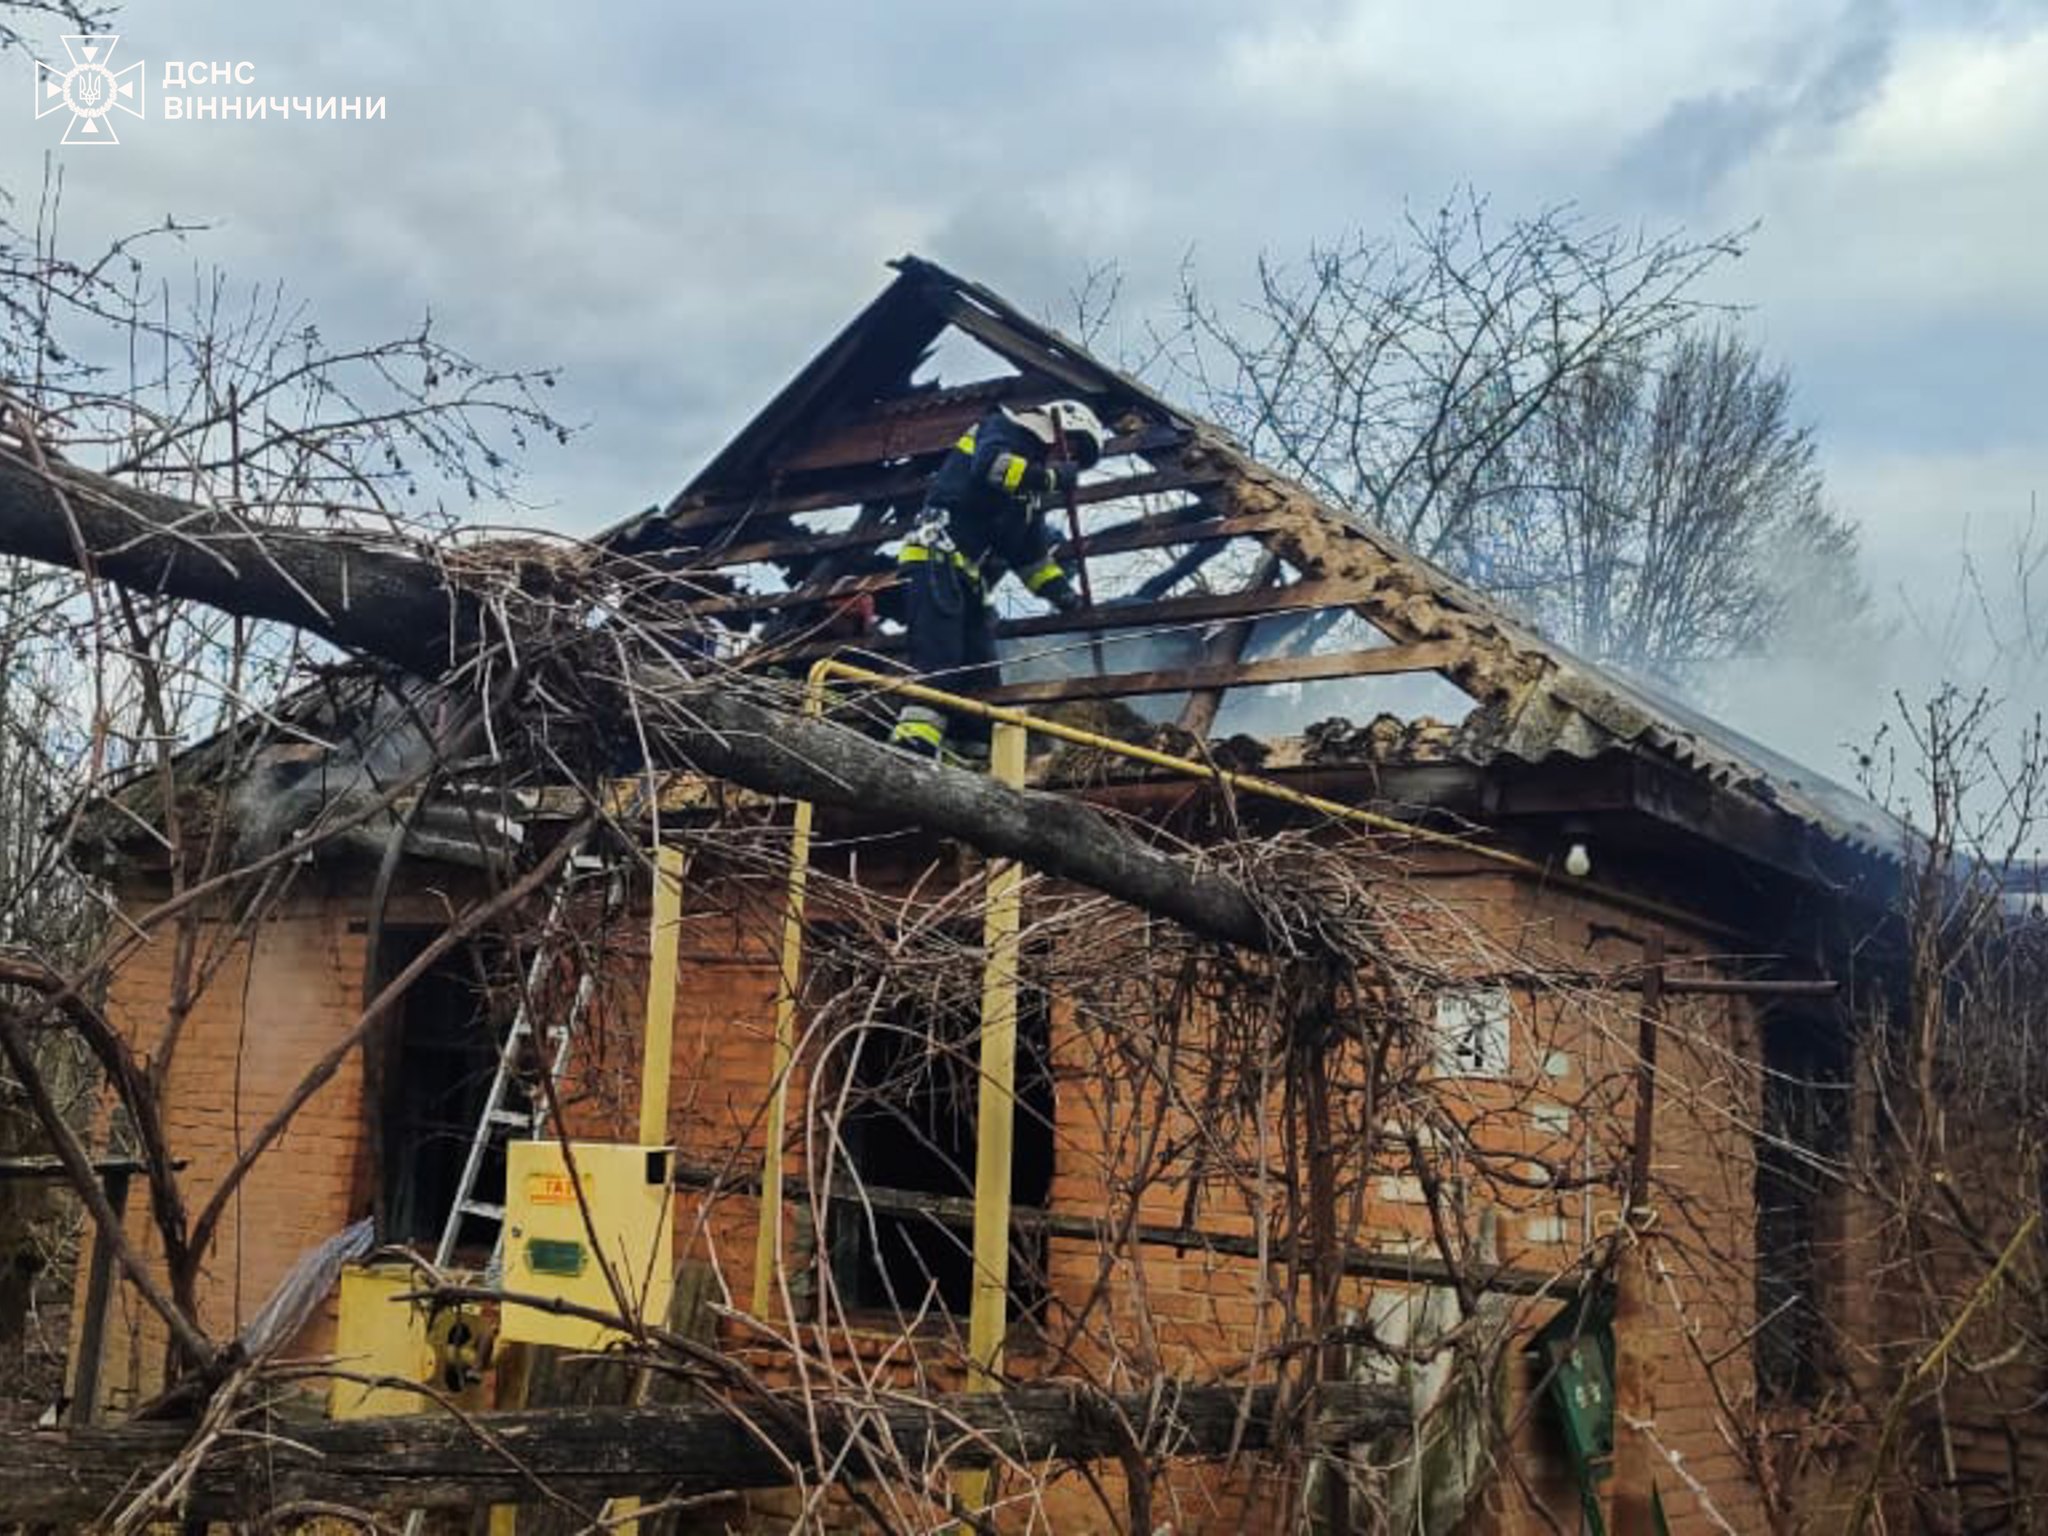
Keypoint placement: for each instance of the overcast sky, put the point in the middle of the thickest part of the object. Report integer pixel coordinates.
(678, 203)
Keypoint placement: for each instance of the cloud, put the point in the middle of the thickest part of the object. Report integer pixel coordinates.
(1812, 80)
(680, 203)
(1924, 201)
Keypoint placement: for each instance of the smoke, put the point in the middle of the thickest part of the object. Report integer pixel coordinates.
(1957, 602)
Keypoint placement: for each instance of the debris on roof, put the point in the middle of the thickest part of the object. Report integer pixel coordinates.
(806, 496)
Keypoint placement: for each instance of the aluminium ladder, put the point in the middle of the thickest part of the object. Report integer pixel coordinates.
(504, 1116)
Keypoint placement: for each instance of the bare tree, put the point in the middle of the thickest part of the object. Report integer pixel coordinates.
(1668, 511)
(1535, 407)
(231, 398)
(86, 15)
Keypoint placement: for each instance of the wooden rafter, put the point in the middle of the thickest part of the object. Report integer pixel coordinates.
(854, 431)
(1226, 652)
(1378, 661)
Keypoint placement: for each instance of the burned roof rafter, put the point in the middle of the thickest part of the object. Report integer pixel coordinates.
(857, 431)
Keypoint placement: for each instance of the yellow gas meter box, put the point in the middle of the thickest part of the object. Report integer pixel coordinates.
(553, 1239)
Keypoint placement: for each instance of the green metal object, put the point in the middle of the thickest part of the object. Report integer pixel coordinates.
(554, 1256)
(1576, 1352)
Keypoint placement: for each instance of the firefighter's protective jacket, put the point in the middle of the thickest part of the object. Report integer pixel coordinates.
(990, 489)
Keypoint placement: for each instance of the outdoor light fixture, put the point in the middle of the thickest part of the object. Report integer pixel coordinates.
(1577, 862)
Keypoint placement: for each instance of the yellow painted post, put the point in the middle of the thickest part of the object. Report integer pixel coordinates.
(664, 946)
(657, 1057)
(996, 1119)
(768, 1232)
(515, 1373)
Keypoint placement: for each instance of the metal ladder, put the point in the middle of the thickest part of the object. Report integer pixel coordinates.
(511, 1107)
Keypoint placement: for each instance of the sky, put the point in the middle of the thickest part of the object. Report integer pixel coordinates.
(677, 204)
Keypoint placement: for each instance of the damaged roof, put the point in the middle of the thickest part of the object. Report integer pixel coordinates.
(834, 467)
(1623, 708)
(786, 527)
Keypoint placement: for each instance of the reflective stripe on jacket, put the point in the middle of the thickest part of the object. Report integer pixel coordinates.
(990, 488)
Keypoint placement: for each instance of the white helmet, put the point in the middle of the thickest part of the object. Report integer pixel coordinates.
(1083, 430)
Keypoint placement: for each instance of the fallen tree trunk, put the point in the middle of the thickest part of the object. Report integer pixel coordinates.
(381, 599)
(589, 1454)
(804, 758)
(401, 606)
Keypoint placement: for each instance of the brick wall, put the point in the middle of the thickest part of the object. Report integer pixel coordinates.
(1198, 1313)
(277, 997)
(288, 991)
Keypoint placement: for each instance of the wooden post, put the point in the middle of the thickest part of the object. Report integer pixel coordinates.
(99, 1285)
(988, 1317)
(657, 1046)
(1635, 1365)
(789, 982)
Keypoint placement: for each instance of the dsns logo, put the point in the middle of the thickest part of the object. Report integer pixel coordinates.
(90, 89)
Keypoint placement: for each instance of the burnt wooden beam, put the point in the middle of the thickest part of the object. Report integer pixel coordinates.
(903, 428)
(1189, 523)
(587, 1455)
(1376, 662)
(805, 494)
(1201, 608)
(877, 438)
(798, 545)
(875, 354)
(1079, 374)
(1162, 531)
(778, 497)
(796, 597)
(1192, 522)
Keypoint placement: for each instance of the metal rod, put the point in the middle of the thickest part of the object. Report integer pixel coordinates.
(1240, 783)
(1736, 986)
(956, 1213)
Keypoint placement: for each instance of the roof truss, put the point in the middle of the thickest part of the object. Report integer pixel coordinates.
(790, 520)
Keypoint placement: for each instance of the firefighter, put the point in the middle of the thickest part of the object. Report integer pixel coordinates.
(982, 517)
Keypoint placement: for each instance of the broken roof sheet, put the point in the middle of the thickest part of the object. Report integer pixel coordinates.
(1634, 710)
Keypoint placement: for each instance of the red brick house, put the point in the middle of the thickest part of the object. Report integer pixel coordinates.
(1458, 1147)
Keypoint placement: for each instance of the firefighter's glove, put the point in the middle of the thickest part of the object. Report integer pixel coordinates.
(1061, 595)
